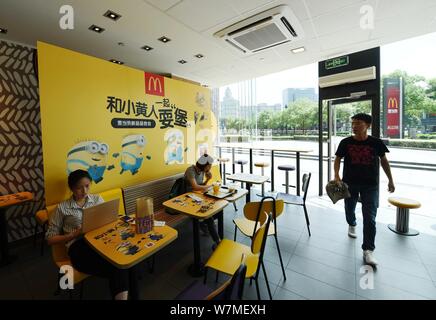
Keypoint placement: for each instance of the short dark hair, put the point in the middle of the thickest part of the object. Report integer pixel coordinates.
(362, 116)
(75, 176)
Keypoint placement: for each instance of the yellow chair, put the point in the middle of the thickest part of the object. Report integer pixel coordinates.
(61, 258)
(250, 224)
(233, 289)
(227, 256)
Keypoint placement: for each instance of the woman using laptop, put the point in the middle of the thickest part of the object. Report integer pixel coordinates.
(65, 227)
(197, 176)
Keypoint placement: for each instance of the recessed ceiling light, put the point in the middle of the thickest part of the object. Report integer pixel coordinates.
(164, 39)
(3, 30)
(147, 48)
(96, 28)
(116, 61)
(298, 50)
(182, 61)
(112, 15)
(199, 56)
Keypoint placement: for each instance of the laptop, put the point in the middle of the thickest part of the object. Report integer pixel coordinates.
(100, 215)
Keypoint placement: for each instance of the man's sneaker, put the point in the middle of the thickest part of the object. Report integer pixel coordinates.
(352, 232)
(368, 257)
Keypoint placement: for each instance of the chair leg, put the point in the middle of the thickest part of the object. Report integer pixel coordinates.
(266, 280)
(35, 234)
(44, 229)
(58, 287)
(257, 288)
(307, 219)
(251, 281)
(280, 256)
(234, 204)
(151, 264)
(82, 284)
(205, 275)
(234, 237)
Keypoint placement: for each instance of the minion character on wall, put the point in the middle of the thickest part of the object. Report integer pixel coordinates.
(174, 140)
(131, 154)
(90, 156)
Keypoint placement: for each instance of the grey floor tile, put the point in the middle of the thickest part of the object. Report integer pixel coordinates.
(250, 292)
(346, 248)
(408, 267)
(335, 277)
(402, 281)
(283, 294)
(314, 289)
(326, 257)
(385, 292)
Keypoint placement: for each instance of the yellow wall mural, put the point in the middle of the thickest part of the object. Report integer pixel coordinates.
(123, 125)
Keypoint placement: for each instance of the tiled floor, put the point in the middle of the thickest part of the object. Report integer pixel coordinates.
(327, 265)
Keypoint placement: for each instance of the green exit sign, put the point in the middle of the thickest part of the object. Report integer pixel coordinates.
(336, 62)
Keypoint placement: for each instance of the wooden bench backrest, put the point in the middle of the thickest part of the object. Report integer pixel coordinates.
(158, 190)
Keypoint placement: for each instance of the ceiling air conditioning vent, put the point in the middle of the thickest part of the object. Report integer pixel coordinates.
(262, 31)
(352, 76)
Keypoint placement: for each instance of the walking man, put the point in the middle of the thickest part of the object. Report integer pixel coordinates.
(361, 155)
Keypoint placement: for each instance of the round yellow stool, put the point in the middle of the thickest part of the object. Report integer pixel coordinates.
(402, 225)
(262, 165)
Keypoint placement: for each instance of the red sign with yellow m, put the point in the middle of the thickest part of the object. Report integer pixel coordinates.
(154, 84)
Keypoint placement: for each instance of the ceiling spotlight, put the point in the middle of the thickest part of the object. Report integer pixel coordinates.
(199, 56)
(182, 61)
(164, 39)
(3, 30)
(116, 61)
(96, 28)
(147, 48)
(298, 50)
(112, 15)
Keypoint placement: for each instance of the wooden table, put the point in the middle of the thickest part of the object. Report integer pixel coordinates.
(186, 205)
(107, 239)
(251, 146)
(6, 202)
(249, 180)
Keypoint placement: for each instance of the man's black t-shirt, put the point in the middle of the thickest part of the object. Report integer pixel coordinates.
(361, 160)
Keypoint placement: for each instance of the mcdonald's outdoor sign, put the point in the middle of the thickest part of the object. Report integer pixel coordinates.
(154, 84)
(393, 107)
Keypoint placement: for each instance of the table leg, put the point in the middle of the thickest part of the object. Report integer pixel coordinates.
(272, 170)
(220, 216)
(233, 160)
(196, 269)
(298, 174)
(4, 246)
(251, 161)
(133, 283)
(247, 196)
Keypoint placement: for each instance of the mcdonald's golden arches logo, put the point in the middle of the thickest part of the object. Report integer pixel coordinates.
(392, 103)
(154, 84)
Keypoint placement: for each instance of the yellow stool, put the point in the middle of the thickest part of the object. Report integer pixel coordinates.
(262, 165)
(222, 162)
(402, 225)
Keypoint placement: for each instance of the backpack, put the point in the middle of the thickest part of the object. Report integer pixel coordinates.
(178, 188)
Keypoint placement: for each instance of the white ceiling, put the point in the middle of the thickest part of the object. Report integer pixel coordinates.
(331, 28)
